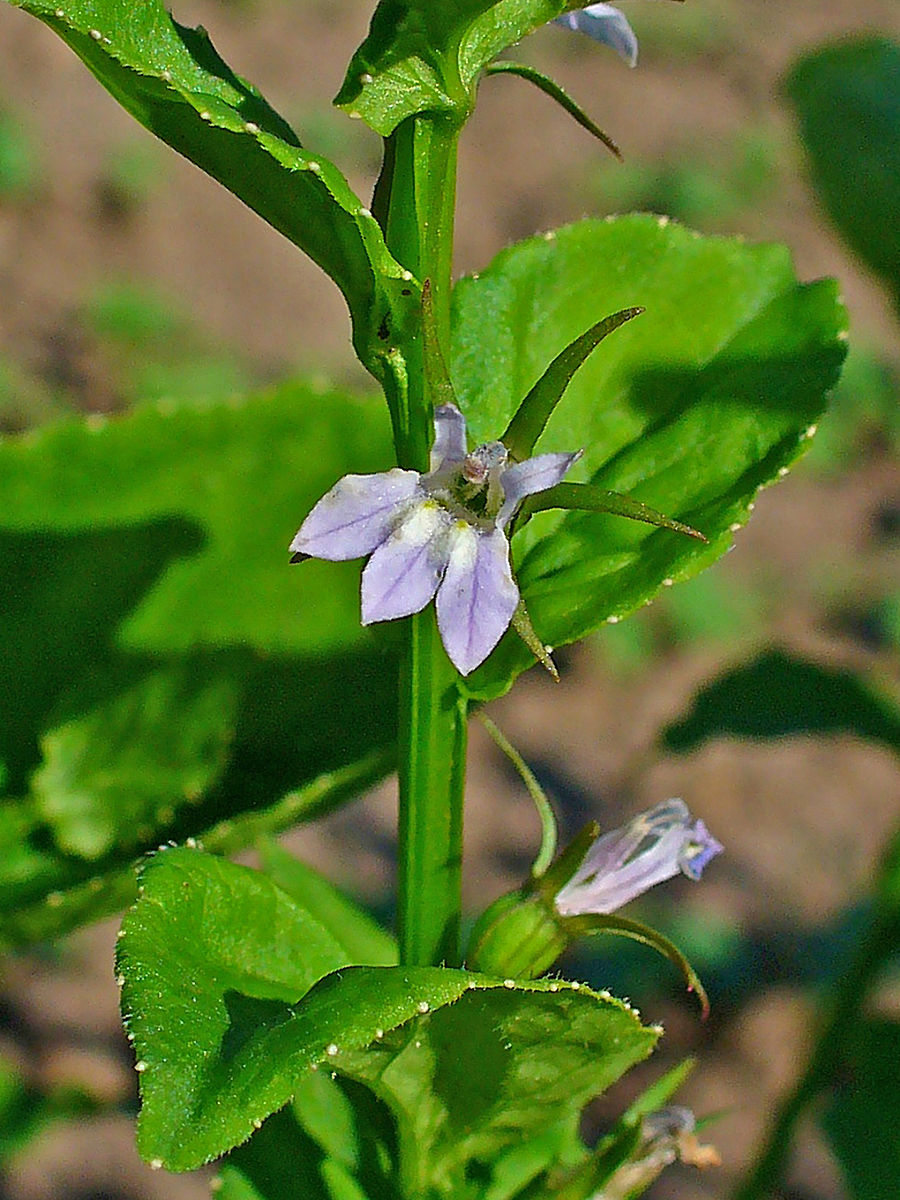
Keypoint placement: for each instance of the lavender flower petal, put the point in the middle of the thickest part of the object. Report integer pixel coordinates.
(620, 865)
(403, 573)
(356, 515)
(478, 596)
(449, 436)
(604, 23)
(533, 475)
(698, 850)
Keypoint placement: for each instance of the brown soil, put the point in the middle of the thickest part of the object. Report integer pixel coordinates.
(803, 820)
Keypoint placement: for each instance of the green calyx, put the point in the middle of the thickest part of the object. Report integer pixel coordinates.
(519, 937)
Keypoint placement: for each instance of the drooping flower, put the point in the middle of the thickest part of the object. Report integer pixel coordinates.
(443, 533)
(654, 846)
(604, 23)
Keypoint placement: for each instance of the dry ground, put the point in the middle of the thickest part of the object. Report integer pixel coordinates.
(803, 821)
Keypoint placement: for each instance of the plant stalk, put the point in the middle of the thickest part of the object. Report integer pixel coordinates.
(414, 202)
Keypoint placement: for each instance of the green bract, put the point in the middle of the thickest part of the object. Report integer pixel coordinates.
(425, 56)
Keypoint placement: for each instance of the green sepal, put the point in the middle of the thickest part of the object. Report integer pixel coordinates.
(521, 623)
(658, 1094)
(588, 498)
(552, 89)
(569, 861)
(639, 932)
(536, 409)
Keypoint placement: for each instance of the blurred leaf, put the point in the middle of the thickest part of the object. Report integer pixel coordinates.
(863, 415)
(25, 1111)
(240, 477)
(711, 190)
(18, 170)
(847, 99)
(118, 769)
(45, 893)
(132, 172)
(219, 967)
(132, 313)
(776, 695)
(715, 607)
(689, 410)
(171, 79)
(365, 942)
(862, 1119)
(146, 597)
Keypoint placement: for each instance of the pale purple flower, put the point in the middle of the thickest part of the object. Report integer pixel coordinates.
(654, 846)
(441, 533)
(604, 23)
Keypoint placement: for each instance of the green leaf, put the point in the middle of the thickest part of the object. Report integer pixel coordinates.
(425, 56)
(777, 695)
(495, 1069)
(173, 82)
(363, 939)
(847, 99)
(145, 594)
(689, 410)
(233, 993)
(623, 1144)
(340, 1141)
(862, 1119)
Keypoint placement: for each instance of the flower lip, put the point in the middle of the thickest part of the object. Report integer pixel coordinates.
(652, 847)
(698, 850)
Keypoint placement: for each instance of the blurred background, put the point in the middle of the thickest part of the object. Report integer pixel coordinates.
(129, 278)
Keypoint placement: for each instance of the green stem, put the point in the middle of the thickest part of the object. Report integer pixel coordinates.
(841, 1013)
(432, 770)
(414, 202)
